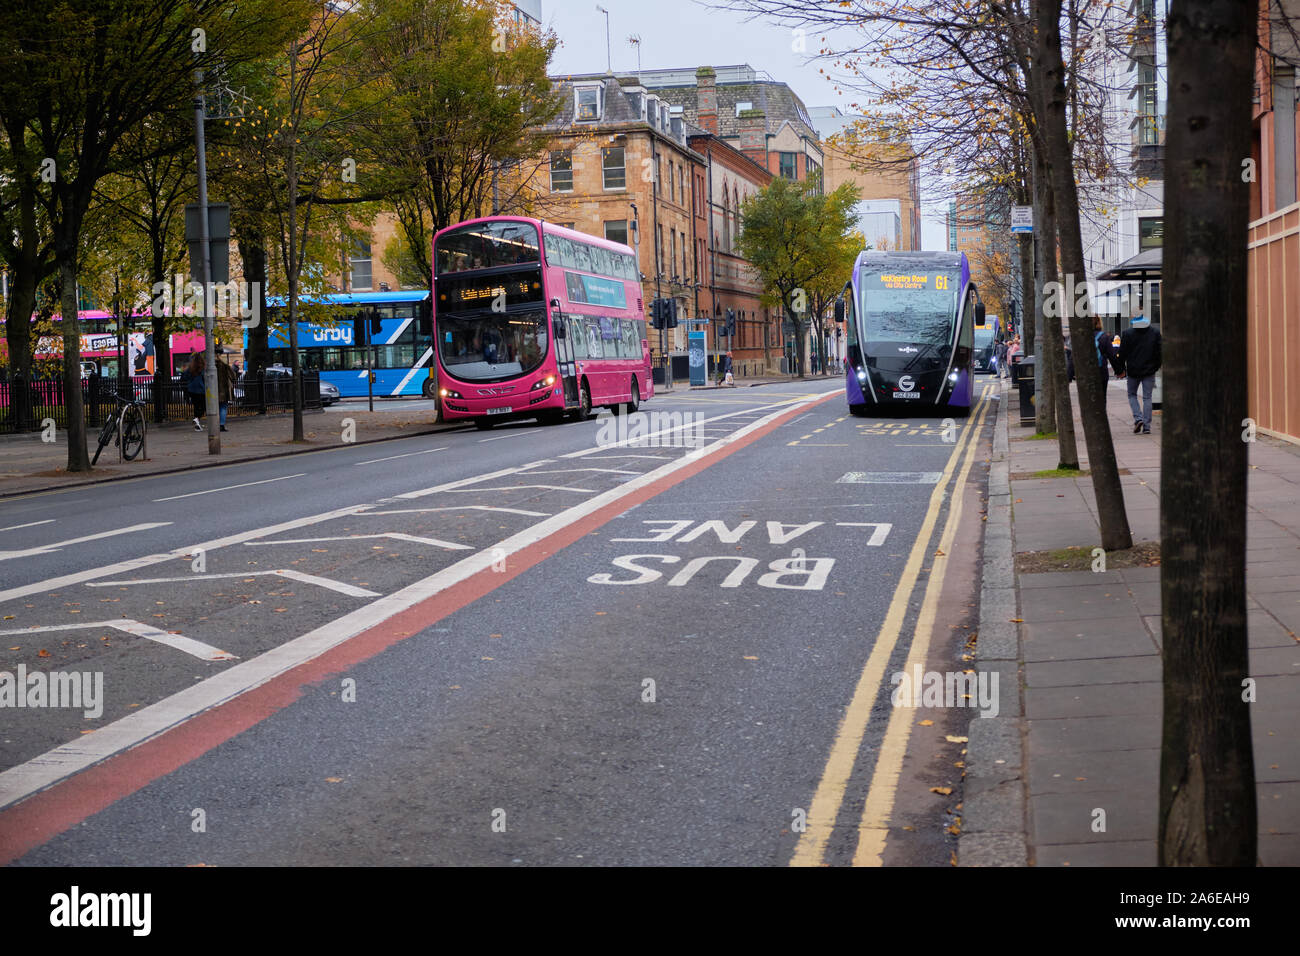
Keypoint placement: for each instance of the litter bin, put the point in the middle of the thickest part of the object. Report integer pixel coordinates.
(1022, 376)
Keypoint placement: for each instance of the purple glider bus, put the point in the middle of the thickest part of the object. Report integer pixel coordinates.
(910, 319)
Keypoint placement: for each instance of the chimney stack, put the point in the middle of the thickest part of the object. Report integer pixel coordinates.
(753, 135)
(706, 99)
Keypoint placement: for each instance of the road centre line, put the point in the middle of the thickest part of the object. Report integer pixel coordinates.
(375, 461)
(420, 511)
(515, 434)
(204, 652)
(30, 524)
(247, 484)
(30, 825)
(876, 810)
(831, 789)
(56, 545)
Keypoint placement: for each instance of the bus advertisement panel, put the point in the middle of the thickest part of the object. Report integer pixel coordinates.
(532, 320)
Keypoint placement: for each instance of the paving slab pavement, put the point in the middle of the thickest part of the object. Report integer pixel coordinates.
(1088, 654)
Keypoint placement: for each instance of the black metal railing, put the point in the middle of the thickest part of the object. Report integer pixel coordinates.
(27, 406)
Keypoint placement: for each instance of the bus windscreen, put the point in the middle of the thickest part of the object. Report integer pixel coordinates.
(914, 308)
(490, 346)
(486, 245)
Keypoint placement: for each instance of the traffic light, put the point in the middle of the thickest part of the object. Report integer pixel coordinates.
(663, 313)
(374, 323)
(731, 323)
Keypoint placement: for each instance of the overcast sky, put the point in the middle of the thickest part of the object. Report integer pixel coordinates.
(685, 33)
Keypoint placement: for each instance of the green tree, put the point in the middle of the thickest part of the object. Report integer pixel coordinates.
(794, 236)
(466, 99)
(84, 74)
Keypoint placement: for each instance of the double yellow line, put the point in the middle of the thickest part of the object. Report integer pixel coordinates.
(831, 791)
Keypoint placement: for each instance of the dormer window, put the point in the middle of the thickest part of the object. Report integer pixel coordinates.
(741, 107)
(589, 102)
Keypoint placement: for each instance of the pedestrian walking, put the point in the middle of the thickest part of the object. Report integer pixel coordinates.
(1139, 351)
(195, 388)
(225, 382)
(727, 378)
(1105, 354)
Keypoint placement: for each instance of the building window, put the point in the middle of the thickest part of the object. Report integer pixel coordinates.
(681, 183)
(1151, 233)
(789, 166)
(613, 165)
(588, 100)
(1148, 105)
(565, 225)
(361, 277)
(616, 230)
(671, 188)
(561, 171)
(672, 238)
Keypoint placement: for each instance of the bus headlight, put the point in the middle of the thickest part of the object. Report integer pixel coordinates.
(952, 377)
(544, 383)
(448, 393)
(862, 375)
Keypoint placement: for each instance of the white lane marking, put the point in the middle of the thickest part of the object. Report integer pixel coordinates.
(395, 535)
(412, 454)
(655, 457)
(204, 652)
(56, 545)
(606, 471)
(584, 491)
(524, 431)
(453, 485)
(30, 524)
(247, 484)
(428, 354)
(54, 765)
(339, 586)
(420, 511)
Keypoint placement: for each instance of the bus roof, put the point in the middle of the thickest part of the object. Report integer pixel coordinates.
(917, 258)
(551, 229)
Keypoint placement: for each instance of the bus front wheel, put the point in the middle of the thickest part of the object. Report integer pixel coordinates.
(583, 411)
(858, 411)
(482, 424)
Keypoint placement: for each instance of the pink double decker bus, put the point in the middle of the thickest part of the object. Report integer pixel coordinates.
(532, 320)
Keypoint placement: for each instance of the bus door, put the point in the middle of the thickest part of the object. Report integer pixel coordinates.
(564, 358)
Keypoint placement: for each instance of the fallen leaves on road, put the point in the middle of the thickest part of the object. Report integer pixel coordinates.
(926, 723)
(956, 740)
(42, 653)
(944, 791)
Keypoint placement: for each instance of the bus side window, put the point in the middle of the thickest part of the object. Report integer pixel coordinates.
(577, 336)
(966, 334)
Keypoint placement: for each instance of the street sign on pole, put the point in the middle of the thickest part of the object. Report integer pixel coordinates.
(1022, 219)
(218, 240)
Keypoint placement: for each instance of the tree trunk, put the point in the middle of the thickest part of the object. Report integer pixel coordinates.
(252, 255)
(1207, 774)
(162, 349)
(18, 335)
(70, 325)
(1053, 351)
(1109, 494)
(1044, 246)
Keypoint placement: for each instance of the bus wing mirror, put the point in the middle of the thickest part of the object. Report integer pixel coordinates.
(979, 313)
(559, 330)
(839, 310)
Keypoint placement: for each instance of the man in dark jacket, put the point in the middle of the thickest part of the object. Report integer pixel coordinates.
(1139, 350)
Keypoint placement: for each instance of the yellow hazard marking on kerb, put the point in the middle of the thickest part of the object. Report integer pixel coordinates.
(830, 791)
(873, 828)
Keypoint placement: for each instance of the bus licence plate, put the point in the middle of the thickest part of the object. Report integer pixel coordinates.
(907, 395)
(499, 411)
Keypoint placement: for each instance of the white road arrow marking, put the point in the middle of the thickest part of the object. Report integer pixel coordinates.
(396, 535)
(348, 589)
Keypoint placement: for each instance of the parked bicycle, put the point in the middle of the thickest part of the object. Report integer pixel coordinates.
(125, 425)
